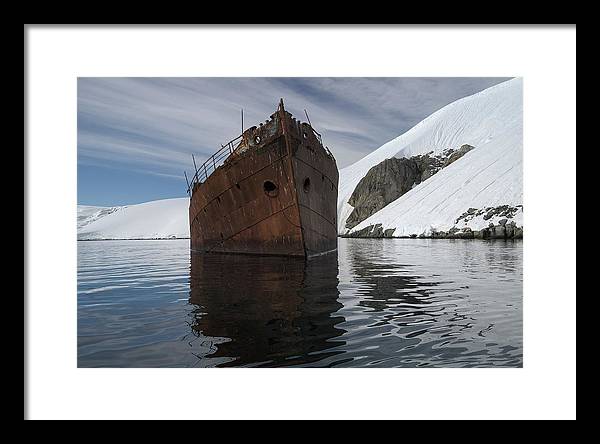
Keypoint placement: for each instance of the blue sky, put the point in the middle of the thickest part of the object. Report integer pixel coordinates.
(135, 136)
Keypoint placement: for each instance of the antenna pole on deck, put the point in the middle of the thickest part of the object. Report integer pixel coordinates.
(187, 182)
(314, 130)
(195, 178)
(308, 118)
(242, 120)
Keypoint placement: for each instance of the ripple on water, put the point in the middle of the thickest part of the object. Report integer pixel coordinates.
(378, 303)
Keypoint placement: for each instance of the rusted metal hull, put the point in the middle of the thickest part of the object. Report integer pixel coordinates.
(275, 194)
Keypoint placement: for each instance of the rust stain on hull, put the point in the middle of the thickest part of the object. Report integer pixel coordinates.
(275, 193)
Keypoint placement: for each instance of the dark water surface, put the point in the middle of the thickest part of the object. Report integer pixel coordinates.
(379, 302)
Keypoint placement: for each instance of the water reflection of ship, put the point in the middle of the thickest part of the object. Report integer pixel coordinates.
(275, 311)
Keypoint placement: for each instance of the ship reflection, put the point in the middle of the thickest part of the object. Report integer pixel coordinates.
(270, 311)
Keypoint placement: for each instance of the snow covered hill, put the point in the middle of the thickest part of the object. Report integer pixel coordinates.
(159, 219)
(479, 186)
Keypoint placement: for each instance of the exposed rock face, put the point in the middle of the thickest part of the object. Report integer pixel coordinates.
(373, 231)
(429, 164)
(506, 211)
(384, 183)
(390, 179)
(453, 156)
(508, 231)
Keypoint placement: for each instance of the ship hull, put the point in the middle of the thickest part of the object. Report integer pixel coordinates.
(276, 197)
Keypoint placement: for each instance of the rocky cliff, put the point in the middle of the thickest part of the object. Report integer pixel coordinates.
(393, 177)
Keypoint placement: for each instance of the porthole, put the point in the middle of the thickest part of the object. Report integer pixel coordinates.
(306, 185)
(257, 139)
(270, 188)
(304, 135)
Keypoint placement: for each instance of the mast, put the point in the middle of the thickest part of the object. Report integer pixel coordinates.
(282, 119)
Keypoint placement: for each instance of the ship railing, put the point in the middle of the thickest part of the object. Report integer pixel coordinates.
(318, 135)
(203, 172)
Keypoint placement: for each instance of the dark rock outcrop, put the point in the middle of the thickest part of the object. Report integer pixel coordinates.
(501, 211)
(466, 233)
(504, 211)
(384, 183)
(453, 156)
(506, 231)
(429, 164)
(373, 231)
(390, 179)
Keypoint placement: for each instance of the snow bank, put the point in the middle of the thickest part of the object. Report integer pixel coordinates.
(488, 176)
(160, 219)
(87, 214)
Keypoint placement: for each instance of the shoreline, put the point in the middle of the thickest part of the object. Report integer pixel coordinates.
(339, 236)
(132, 238)
(504, 230)
(435, 238)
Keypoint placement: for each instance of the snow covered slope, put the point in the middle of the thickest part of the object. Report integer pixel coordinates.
(488, 176)
(159, 219)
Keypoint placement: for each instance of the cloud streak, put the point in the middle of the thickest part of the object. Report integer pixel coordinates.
(155, 124)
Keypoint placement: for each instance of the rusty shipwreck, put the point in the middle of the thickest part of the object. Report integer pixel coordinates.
(271, 191)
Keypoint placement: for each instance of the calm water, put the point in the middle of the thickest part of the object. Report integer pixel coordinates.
(380, 303)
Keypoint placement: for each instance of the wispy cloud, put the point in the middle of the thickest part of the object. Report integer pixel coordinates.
(155, 124)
